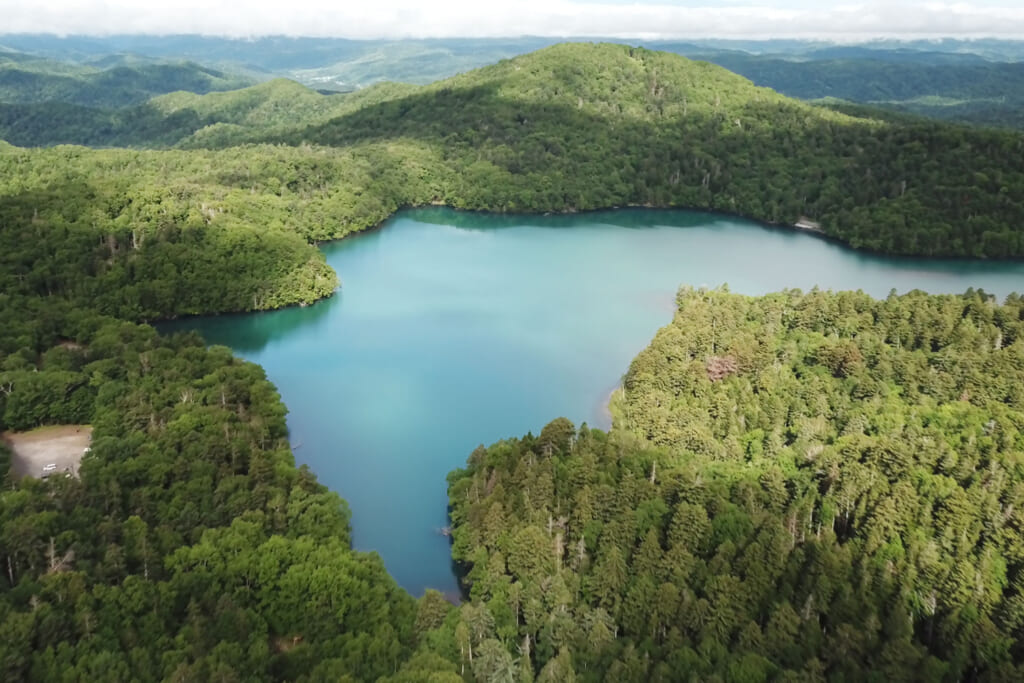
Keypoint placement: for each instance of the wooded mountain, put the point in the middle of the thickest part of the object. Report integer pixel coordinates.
(963, 88)
(569, 128)
(29, 80)
(967, 81)
(533, 133)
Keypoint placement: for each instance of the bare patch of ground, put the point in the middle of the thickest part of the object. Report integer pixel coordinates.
(34, 452)
(720, 367)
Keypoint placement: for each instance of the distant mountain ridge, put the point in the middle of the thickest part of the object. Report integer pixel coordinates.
(975, 82)
(28, 80)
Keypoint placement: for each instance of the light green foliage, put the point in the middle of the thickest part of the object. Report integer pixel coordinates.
(845, 500)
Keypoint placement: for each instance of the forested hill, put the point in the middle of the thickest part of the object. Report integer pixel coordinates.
(43, 102)
(581, 126)
(799, 487)
(946, 87)
(972, 81)
(184, 117)
(145, 235)
(28, 80)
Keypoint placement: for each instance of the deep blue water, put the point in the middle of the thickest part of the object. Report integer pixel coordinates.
(456, 329)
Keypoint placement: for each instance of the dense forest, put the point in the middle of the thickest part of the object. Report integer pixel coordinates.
(580, 126)
(183, 118)
(537, 132)
(974, 81)
(151, 235)
(798, 487)
(959, 88)
(191, 548)
(229, 224)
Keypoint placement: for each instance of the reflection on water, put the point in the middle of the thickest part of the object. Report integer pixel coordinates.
(251, 332)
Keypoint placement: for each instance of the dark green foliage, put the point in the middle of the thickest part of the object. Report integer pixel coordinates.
(844, 502)
(217, 119)
(5, 462)
(951, 81)
(27, 80)
(959, 88)
(191, 548)
(797, 487)
(586, 126)
(145, 236)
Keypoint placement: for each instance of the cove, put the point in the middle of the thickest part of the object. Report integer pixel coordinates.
(458, 329)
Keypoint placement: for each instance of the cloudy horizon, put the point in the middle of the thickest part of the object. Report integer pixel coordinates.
(737, 19)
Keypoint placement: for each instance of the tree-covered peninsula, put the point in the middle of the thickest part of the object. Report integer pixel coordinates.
(798, 487)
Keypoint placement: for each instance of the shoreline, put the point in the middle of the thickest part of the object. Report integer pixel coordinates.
(817, 233)
(605, 408)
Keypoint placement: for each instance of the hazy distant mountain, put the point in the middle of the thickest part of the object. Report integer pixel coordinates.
(896, 56)
(346, 63)
(941, 79)
(115, 81)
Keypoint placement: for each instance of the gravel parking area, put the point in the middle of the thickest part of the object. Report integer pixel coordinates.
(48, 451)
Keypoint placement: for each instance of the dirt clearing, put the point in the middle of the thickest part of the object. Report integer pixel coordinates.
(48, 451)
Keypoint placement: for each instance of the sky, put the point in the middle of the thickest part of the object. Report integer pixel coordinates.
(835, 20)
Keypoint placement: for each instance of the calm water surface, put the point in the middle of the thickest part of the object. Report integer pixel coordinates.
(457, 329)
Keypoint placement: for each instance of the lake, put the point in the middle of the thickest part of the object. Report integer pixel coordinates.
(459, 329)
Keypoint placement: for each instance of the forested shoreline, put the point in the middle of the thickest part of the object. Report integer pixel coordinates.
(797, 487)
(265, 172)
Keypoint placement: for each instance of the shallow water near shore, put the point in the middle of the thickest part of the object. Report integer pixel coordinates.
(455, 329)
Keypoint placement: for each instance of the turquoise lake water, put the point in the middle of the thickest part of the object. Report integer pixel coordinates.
(456, 329)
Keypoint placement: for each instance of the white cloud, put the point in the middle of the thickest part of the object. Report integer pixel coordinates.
(487, 18)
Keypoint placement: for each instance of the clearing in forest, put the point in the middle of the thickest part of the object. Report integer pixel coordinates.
(48, 451)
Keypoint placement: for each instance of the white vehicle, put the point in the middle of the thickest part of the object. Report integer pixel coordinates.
(49, 469)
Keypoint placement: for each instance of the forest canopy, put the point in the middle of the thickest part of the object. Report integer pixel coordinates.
(797, 487)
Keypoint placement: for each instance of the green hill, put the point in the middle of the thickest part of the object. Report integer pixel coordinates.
(949, 87)
(569, 128)
(33, 81)
(977, 74)
(233, 117)
(43, 102)
(578, 126)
